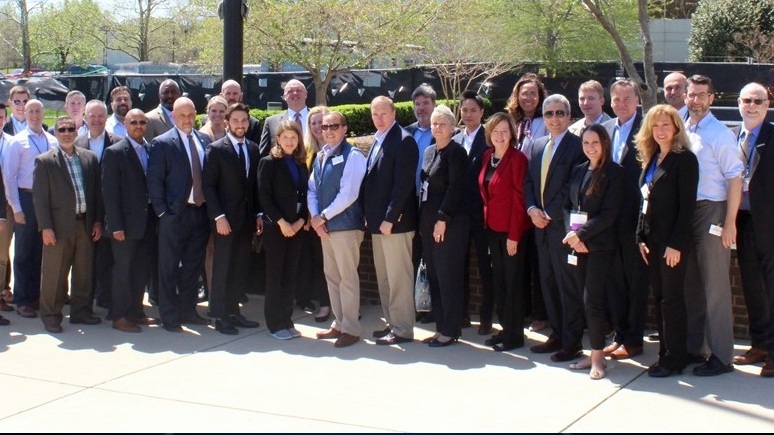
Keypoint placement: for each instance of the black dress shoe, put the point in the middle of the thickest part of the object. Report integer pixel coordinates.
(173, 327)
(391, 338)
(466, 322)
(89, 320)
(660, 371)
(322, 319)
(713, 367)
(4, 321)
(567, 355)
(382, 332)
(552, 345)
(506, 347)
(306, 306)
(226, 327)
(194, 319)
(495, 339)
(439, 343)
(242, 322)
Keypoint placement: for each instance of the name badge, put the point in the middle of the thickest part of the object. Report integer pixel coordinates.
(644, 206)
(716, 230)
(578, 219)
(645, 190)
(746, 185)
(338, 159)
(572, 260)
(425, 185)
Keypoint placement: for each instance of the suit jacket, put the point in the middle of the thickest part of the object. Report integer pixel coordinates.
(269, 133)
(54, 195)
(169, 171)
(568, 155)
(762, 184)
(472, 195)
(629, 214)
(671, 203)
(280, 198)
(601, 208)
(388, 190)
(124, 191)
(445, 172)
(158, 123)
(228, 190)
(8, 127)
(504, 206)
(110, 139)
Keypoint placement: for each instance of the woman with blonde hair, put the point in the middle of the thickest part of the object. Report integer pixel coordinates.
(669, 179)
(215, 127)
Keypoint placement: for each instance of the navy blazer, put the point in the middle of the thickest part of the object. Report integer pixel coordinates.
(110, 139)
(388, 190)
(229, 189)
(762, 184)
(472, 195)
(124, 191)
(169, 171)
(601, 208)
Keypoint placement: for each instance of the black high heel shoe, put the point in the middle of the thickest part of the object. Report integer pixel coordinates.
(439, 343)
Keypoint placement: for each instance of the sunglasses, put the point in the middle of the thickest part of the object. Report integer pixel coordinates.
(66, 129)
(17, 102)
(755, 101)
(333, 127)
(551, 113)
(138, 121)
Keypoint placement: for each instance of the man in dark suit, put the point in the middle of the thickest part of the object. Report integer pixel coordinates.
(175, 187)
(473, 139)
(97, 140)
(66, 193)
(231, 90)
(546, 189)
(390, 209)
(130, 224)
(295, 96)
(755, 224)
(17, 100)
(230, 191)
(629, 273)
(160, 119)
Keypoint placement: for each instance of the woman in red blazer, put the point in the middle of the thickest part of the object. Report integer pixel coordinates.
(501, 182)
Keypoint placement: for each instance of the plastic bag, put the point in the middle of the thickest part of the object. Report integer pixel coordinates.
(422, 301)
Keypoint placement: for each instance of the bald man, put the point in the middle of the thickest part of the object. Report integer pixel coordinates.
(295, 96)
(175, 188)
(675, 86)
(231, 90)
(160, 119)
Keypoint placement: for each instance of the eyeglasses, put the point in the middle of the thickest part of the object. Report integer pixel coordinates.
(551, 113)
(755, 101)
(333, 127)
(17, 102)
(138, 121)
(699, 96)
(66, 129)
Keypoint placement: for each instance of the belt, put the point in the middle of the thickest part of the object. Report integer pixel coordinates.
(189, 205)
(80, 216)
(25, 190)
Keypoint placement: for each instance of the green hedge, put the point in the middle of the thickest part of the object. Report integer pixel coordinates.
(359, 115)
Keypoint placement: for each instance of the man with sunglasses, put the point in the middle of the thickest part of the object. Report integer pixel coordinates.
(18, 97)
(546, 196)
(708, 284)
(130, 223)
(755, 224)
(18, 166)
(68, 207)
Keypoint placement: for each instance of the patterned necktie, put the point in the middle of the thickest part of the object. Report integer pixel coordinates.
(144, 158)
(544, 165)
(297, 118)
(744, 147)
(196, 172)
(242, 161)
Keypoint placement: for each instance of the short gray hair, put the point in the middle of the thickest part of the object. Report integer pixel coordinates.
(557, 98)
(442, 111)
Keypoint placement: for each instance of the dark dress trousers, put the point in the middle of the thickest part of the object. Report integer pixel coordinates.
(230, 190)
(668, 223)
(128, 209)
(281, 198)
(183, 227)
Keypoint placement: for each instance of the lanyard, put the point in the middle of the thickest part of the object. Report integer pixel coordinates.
(36, 145)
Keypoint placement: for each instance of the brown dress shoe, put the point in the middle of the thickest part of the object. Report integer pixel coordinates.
(125, 325)
(768, 368)
(752, 356)
(346, 340)
(26, 311)
(330, 333)
(610, 348)
(4, 306)
(52, 325)
(626, 351)
(146, 320)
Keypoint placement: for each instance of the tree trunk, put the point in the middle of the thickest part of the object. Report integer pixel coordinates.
(24, 21)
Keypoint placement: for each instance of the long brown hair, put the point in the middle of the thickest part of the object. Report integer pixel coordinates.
(598, 173)
(299, 154)
(512, 106)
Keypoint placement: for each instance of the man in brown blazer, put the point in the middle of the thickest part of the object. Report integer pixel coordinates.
(160, 119)
(68, 208)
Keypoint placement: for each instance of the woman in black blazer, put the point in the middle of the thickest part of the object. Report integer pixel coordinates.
(282, 185)
(664, 233)
(443, 226)
(595, 197)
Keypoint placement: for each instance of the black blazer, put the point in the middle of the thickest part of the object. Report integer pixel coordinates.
(169, 171)
(228, 189)
(445, 172)
(568, 155)
(602, 207)
(124, 191)
(280, 199)
(629, 214)
(110, 139)
(762, 184)
(671, 204)
(388, 190)
(472, 195)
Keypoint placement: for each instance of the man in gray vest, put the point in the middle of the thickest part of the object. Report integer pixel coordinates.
(337, 217)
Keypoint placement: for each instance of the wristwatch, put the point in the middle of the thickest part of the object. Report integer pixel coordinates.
(323, 217)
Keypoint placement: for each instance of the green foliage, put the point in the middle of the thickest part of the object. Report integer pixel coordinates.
(715, 23)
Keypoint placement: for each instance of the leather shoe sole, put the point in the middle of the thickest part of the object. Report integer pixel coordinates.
(752, 356)
(346, 340)
(625, 352)
(566, 355)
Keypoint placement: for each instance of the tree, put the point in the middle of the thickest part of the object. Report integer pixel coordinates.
(602, 12)
(331, 37)
(59, 36)
(716, 22)
(20, 14)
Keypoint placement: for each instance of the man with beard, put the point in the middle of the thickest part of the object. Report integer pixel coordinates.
(230, 191)
(231, 90)
(120, 104)
(160, 119)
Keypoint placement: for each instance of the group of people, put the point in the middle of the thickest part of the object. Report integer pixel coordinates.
(572, 223)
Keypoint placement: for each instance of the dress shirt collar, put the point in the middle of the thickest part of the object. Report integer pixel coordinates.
(379, 136)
